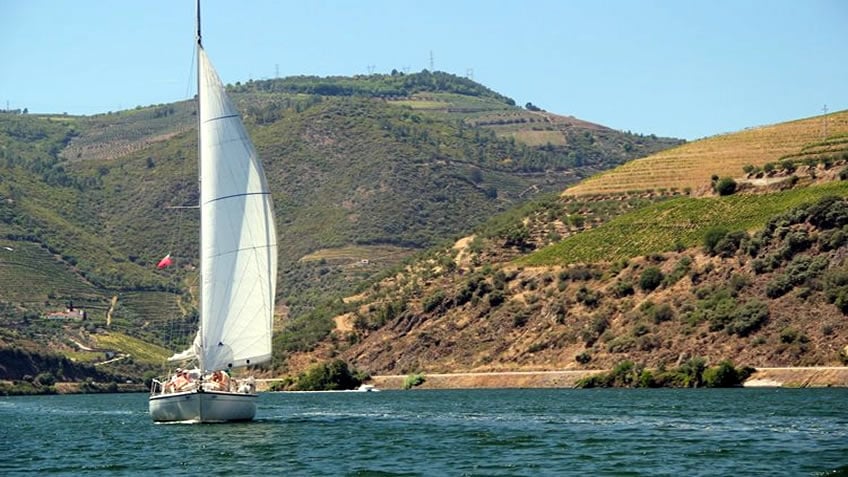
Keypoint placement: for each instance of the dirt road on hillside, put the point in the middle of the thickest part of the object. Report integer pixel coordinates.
(825, 376)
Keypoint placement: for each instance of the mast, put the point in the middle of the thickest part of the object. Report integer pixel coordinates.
(199, 43)
(200, 219)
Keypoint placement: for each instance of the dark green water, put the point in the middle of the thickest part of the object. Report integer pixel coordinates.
(478, 432)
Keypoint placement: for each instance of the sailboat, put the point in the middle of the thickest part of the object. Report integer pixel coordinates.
(238, 269)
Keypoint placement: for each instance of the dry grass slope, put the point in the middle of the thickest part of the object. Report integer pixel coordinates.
(692, 165)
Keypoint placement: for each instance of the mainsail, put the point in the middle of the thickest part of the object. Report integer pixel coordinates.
(238, 243)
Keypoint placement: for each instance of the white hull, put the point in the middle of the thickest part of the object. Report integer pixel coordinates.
(207, 406)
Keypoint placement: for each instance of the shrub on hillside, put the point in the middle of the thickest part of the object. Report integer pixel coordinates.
(833, 239)
(716, 306)
(800, 270)
(660, 313)
(795, 241)
(496, 298)
(600, 323)
(515, 235)
(788, 166)
(829, 212)
(520, 318)
(588, 297)
(778, 286)
(836, 288)
(624, 375)
(725, 186)
(712, 237)
(621, 344)
(691, 374)
(790, 335)
(579, 273)
(413, 380)
(650, 279)
(766, 264)
(434, 302)
(748, 318)
(681, 268)
(730, 243)
(622, 288)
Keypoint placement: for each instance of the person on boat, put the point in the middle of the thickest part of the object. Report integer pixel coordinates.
(247, 386)
(221, 380)
(179, 381)
(171, 385)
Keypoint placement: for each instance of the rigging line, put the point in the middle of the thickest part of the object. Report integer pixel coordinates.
(191, 73)
(178, 328)
(244, 249)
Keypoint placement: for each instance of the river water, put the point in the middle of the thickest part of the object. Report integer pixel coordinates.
(475, 432)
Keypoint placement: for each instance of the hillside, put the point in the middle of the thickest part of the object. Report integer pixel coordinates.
(689, 167)
(771, 298)
(654, 275)
(365, 172)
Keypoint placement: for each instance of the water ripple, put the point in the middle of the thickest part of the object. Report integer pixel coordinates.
(473, 433)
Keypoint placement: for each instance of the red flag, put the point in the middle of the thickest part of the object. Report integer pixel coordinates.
(165, 262)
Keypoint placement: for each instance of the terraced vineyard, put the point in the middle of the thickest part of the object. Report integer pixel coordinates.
(139, 350)
(680, 222)
(360, 254)
(108, 136)
(158, 316)
(32, 276)
(470, 106)
(693, 164)
(532, 128)
(144, 306)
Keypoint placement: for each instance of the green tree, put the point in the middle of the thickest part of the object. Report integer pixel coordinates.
(330, 376)
(722, 376)
(693, 372)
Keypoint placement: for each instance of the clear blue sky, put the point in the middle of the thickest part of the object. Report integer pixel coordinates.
(682, 68)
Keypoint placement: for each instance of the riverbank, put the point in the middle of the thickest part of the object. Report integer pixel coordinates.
(814, 377)
(24, 388)
(762, 377)
(787, 377)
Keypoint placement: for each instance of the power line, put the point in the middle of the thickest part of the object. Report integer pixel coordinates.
(824, 120)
